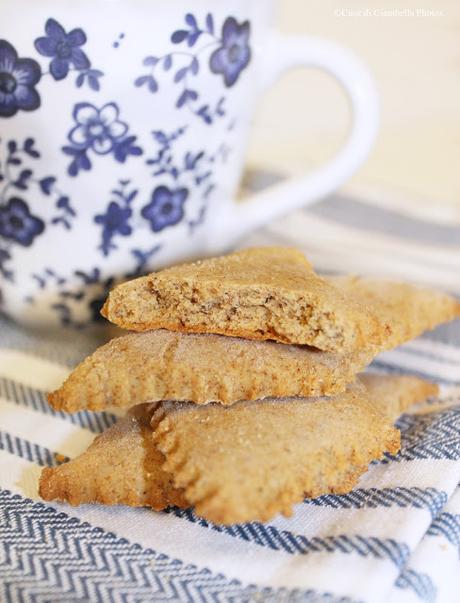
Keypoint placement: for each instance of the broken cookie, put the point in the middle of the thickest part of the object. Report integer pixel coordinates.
(261, 293)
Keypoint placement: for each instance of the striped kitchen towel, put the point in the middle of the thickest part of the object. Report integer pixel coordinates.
(395, 538)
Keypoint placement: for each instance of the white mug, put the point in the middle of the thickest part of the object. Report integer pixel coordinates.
(123, 126)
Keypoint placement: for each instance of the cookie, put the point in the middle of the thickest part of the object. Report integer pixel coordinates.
(121, 466)
(124, 465)
(409, 310)
(253, 460)
(164, 365)
(397, 393)
(261, 293)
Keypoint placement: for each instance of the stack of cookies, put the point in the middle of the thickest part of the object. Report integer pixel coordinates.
(240, 382)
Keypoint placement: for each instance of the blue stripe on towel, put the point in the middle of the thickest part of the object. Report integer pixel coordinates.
(421, 584)
(421, 498)
(447, 525)
(269, 536)
(74, 560)
(28, 450)
(394, 369)
(36, 399)
(372, 218)
(429, 436)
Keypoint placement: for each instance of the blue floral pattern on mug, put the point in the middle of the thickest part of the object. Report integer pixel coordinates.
(97, 129)
(166, 207)
(229, 59)
(18, 224)
(18, 78)
(234, 54)
(167, 203)
(64, 48)
(195, 167)
(101, 131)
(115, 221)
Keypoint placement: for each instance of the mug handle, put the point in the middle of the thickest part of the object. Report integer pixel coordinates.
(282, 54)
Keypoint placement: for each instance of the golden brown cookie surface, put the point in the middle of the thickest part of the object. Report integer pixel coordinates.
(396, 393)
(252, 460)
(408, 309)
(260, 293)
(121, 466)
(164, 365)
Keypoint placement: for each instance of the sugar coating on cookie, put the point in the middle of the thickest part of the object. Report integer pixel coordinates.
(121, 466)
(256, 459)
(260, 293)
(395, 394)
(408, 309)
(202, 368)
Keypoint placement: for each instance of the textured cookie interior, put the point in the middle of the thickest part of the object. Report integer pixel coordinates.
(261, 293)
